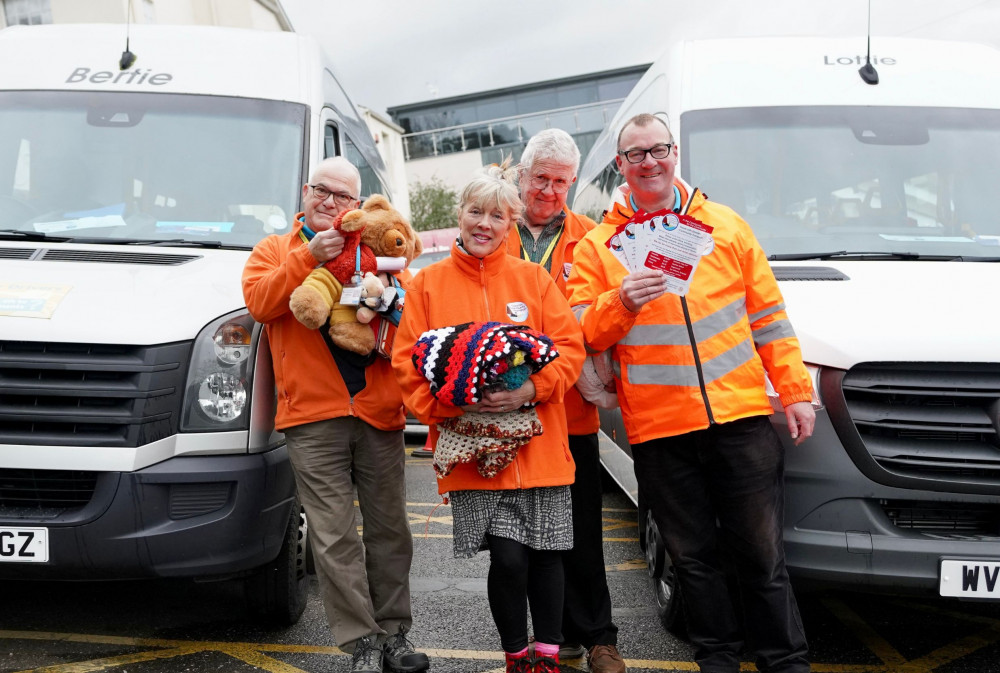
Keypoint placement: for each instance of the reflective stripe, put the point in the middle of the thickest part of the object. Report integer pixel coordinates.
(779, 329)
(766, 312)
(687, 375)
(677, 335)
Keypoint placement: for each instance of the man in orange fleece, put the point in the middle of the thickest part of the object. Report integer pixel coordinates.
(546, 234)
(342, 415)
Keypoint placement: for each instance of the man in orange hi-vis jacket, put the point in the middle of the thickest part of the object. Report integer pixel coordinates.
(690, 372)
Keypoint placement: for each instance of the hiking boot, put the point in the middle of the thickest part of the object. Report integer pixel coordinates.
(517, 663)
(399, 655)
(545, 665)
(605, 659)
(571, 651)
(367, 656)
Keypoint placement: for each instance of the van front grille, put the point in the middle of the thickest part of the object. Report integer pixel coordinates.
(938, 421)
(949, 520)
(44, 492)
(90, 394)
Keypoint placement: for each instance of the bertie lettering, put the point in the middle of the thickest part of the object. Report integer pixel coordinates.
(137, 76)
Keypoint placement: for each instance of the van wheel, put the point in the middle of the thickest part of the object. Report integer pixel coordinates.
(277, 591)
(669, 602)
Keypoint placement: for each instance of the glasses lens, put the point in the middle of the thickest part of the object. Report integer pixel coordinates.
(635, 156)
(660, 151)
(321, 192)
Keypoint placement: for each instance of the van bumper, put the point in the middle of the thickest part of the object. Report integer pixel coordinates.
(839, 528)
(204, 517)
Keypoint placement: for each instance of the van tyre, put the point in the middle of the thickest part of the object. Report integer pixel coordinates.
(277, 591)
(669, 602)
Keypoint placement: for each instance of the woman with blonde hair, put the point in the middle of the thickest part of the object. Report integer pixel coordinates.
(511, 497)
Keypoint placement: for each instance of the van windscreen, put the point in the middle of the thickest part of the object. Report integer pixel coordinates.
(149, 167)
(904, 181)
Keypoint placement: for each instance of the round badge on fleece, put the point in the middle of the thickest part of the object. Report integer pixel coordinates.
(517, 311)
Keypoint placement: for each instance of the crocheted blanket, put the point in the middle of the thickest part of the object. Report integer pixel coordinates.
(461, 363)
(464, 361)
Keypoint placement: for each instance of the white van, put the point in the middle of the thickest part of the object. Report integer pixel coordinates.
(876, 205)
(136, 392)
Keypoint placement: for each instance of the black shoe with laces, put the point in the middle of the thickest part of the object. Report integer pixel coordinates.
(367, 656)
(399, 655)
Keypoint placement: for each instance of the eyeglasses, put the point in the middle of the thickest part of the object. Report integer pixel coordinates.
(341, 199)
(559, 185)
(637, 156)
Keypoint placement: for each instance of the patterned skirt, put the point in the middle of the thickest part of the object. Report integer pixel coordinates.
(540, 518)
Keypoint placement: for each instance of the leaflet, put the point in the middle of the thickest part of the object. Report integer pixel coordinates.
(665, 241)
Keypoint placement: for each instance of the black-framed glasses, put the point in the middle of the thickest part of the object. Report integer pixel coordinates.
(637, 156)
(340, 198)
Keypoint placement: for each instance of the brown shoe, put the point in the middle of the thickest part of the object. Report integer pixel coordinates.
(605, 659)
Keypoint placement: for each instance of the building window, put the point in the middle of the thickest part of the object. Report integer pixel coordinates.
(27, 12)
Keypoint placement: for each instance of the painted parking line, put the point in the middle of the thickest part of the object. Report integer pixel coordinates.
(256, 654)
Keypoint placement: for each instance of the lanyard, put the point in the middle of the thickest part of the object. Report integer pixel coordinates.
(548, 250)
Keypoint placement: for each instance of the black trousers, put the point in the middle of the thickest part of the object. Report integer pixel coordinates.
(719, 493)
(520, 576)
(587, 607)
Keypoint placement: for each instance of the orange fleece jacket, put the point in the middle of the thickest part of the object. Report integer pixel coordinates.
(581, 416)
(310, 387)
(501, 288)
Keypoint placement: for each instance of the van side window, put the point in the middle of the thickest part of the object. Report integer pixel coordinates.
(370, 184)
(330, 148)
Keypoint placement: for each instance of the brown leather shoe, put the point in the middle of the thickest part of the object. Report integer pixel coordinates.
(605, 659)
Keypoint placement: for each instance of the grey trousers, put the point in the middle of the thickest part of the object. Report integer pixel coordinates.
(365, 581)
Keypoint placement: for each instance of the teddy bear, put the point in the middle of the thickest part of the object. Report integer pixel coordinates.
(374, 230)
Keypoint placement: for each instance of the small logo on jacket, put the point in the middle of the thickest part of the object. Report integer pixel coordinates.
(517, 311)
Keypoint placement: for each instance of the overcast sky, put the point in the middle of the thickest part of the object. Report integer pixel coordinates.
(394, 52)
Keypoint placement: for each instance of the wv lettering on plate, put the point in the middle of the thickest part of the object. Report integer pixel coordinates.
(970, 578)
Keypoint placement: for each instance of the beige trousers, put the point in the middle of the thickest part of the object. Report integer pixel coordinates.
(364, 580)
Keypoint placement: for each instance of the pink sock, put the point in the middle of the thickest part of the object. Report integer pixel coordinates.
(546, 650)
(518, 655)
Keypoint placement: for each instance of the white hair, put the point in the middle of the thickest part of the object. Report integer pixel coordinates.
(553, 145)
(342, 167)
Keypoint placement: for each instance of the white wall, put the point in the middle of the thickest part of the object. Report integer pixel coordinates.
(388, 139)
(455, 170)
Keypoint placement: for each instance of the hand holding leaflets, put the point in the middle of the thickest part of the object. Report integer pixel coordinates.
(662, 241)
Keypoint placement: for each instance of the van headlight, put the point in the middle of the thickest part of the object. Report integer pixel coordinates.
(217, 394)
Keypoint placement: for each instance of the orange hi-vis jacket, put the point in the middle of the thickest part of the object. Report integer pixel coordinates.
(581, 416)
(677, 373)
(310, 387)
(501, 288)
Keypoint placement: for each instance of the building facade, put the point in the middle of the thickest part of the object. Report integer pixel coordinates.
(257, 14)
(449, 138)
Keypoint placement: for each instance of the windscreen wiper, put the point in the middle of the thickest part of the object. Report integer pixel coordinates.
(800, 256)
(19, 235)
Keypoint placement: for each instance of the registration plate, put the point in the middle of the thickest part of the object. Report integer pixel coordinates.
(24, 545)
(976, 578)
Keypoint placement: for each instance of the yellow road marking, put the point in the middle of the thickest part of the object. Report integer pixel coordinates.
(256, 654)
(110, 662)
(879, 646)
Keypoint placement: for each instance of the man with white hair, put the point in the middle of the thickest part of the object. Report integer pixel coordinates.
(547, 234)
(342, 415)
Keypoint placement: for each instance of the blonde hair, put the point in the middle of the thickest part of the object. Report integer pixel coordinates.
(493, 186)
